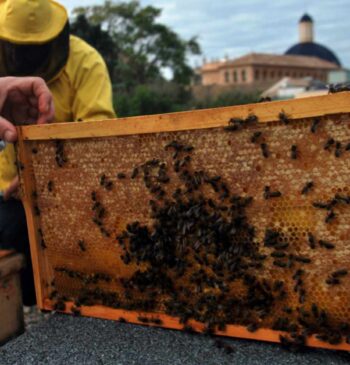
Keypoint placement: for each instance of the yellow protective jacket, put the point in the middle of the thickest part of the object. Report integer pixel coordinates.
(82, 90)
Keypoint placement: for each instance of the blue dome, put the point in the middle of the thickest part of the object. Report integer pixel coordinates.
(305, 18)
(312, 49)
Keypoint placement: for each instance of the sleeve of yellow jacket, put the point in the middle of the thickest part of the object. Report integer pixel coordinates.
(8, 168)
(91, 83)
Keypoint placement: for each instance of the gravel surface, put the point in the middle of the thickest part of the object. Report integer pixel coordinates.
(70, 340)
(32, 316)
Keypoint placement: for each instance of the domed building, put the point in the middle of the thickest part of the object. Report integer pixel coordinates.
(307, 46)
(258, 71)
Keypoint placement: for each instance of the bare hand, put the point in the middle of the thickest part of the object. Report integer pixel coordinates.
(23, 100)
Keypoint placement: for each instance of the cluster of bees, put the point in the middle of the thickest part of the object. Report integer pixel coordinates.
(201, 245)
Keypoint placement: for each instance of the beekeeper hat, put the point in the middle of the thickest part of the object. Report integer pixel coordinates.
(31, 21)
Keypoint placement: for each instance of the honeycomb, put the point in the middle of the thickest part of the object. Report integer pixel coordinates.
(199, 224)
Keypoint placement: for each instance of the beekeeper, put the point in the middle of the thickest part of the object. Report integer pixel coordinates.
(35, 41)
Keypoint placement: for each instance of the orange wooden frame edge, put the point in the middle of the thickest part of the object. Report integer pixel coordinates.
(234, 331)
(196, 119)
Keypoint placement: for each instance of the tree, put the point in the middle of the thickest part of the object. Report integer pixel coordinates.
(98, 38)
(143, 48)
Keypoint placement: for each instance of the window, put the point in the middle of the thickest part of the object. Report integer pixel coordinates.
(256, 74)
(272, 74)
(244, 76)
(235, 76)
(227, 77)
(264, 74)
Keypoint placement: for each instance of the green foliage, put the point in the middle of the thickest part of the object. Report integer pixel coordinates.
(98, 38)
(168, 98)
(229, 98)
(143, 101)
(150, 99)
(141, 48)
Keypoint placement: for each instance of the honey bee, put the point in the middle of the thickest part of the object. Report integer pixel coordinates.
(143, 319)
(102, 179)
(82, 245)
(234, 124)
(283, 117)
(188, 148)
(134, 173)
(330, 142)
(315, 124)
(330, 217)
(264, 99)
(327, 245)
(256, 135)
(275, 194)
(312, 241)
(75, 311)
(336, 88)
(307, 187)
(252, 118)
(294, 152)
(50, 186)
(339, 273)
(121, 176)
(264, 150)
(338, 150)
(36, 210)
(280, 263)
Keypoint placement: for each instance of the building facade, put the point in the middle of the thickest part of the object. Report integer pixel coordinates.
(261, 69)
(305, 59)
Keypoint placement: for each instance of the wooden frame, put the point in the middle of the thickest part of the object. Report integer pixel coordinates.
(199, 119)
(203, 119)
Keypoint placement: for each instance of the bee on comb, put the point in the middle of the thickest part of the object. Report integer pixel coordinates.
(307, 187)
(283, 117)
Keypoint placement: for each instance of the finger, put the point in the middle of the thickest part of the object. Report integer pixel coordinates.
(36, 87)
(11, 189)
(49, 116)
(33, 101)
(8, 131)
(43, 94)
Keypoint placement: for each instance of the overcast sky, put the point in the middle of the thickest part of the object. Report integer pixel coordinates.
(236, 27)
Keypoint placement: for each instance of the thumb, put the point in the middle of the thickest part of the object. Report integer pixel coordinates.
(8, 131)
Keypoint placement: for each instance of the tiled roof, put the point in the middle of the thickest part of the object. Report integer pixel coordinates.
(264, 59)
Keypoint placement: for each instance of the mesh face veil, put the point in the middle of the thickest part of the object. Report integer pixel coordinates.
(43, 60)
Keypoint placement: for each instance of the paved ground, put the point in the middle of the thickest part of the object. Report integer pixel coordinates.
(68, 340)
(33, 316)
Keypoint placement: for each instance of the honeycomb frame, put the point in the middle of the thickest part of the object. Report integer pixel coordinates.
(77, 185)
